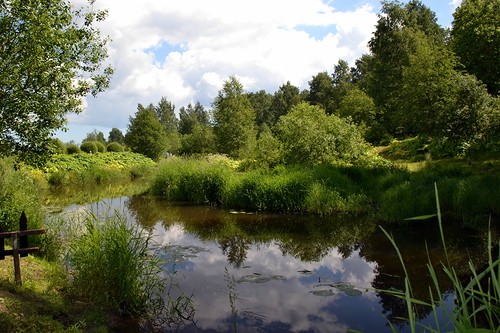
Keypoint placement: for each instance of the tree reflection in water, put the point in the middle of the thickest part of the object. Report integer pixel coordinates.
(335, 248)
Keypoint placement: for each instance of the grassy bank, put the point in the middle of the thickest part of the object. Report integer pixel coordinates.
(392, 193)
(83, 177)
(44, 303)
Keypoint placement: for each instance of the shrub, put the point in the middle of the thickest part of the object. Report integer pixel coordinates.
(89, 147)
(114, 147)
(72, 149)
(310, 136)
(57, 146)
(101, 148)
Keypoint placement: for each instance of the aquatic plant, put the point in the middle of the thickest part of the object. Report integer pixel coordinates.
(112, 265)
(477, 305)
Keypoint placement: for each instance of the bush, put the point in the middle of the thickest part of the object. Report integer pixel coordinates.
(310, 136)
(114, 147)
(89, 147)
(101, 148)
(57, 146)
(72, 149)
(18, 193)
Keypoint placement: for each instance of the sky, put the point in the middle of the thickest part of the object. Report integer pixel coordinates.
(184, 50)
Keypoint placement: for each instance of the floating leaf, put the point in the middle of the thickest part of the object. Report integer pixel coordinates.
(259, 278)
(305, 272)
(346, 288)
(324, 292)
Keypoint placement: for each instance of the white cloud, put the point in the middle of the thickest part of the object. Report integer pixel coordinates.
(456, 3)
(261, 42)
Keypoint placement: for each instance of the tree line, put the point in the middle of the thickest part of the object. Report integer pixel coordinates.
(417, 80)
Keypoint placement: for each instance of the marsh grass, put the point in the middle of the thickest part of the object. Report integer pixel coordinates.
(268, 190)
(111, 264)
(477, 304)
(192, 180)
(388, 192)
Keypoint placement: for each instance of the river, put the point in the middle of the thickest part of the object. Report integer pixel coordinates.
(248, 272)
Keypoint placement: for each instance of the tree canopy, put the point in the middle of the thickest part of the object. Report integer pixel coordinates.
(146, 135)
(234, 119)
(475, 39)
(51, 56)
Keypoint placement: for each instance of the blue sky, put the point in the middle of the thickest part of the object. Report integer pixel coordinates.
(184, 50)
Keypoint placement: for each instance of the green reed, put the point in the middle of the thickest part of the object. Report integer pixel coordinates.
(112, 265)
(477, 304)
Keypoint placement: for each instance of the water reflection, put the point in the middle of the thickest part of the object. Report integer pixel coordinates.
(276, 273)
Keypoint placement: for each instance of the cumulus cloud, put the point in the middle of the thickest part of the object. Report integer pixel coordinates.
(185, 50)
(456, 3)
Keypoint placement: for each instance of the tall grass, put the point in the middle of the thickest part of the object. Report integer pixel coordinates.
(477, 305)
(193, 180)
(112, 265)
(274, 191)
(391, 193)
(18, 193)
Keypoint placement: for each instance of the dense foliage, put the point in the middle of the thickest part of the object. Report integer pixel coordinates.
(18, 193)
(392, 194)
(146, 134)
(50, 57)
(475, 38)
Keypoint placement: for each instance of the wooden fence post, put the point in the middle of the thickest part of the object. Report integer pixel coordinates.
(23, 240)
(19, 245)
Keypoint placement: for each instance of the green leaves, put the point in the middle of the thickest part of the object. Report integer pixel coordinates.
(309, 136)
(475, 38)
(49, 60)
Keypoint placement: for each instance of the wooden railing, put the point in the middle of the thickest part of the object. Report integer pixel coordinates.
(19, 245)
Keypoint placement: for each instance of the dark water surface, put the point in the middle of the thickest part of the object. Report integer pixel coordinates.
(289, 273)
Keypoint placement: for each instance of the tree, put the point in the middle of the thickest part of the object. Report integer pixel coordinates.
(358, 106)
(234, 120)
(165, 111)
(310, 136)
(95, 135)
(115, 135)
(426, 93)
(475, 38)
(191, 116)
(146, 135)
(50, 57)
(321, 92)
(200, 141)
(444, 104)
(398, 30)
(268, 150)
(283, 101)
(261, 102)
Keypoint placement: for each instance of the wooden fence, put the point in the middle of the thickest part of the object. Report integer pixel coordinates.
(19, 244)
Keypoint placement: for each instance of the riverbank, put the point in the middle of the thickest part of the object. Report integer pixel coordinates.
(392, 192)
(44, 303)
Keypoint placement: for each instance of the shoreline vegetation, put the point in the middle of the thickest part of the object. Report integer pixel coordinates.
(389, 189)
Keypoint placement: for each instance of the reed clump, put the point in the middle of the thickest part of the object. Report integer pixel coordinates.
(112, 265)
(477, 299)
(390, 193)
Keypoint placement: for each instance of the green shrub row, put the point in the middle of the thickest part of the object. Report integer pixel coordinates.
(58, 147)
(391, 193)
